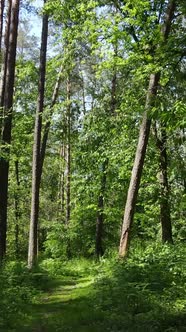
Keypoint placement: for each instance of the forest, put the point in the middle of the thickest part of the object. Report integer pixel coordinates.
(93, 165)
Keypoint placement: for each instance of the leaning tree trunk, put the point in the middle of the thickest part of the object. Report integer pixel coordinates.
(36, 163)
(142, 143)
(165, 216)
(7, 123)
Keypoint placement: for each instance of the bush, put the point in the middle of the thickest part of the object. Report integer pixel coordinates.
(17, 290)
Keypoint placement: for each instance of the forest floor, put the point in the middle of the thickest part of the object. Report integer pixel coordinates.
(146, 293)
(65, 306)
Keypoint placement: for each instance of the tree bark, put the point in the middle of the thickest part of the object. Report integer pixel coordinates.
(4, 63)
(36, 163)
(142, 143)
(48, 123)
(17, 208)
(68, 155)
(61, 191)
(7, 124)
(2, 5)
(165, 216)
(100, 214)
(137, 169)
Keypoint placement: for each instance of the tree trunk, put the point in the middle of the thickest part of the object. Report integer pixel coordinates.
(68, 155)
(137, 170)
(17, 209)
(100, 214)
(48, 123)
(4, 57)
(142, 143)
(165, 217)
(2, 5)
(36, 163)
(61, 191)
(7, 124)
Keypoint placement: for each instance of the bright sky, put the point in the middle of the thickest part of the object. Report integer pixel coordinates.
(35, 20)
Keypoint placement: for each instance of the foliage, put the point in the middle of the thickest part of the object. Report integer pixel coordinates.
(145, 292)
(16, 291)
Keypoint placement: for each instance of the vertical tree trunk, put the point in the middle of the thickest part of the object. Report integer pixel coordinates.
(68, 154)
(142, 143)
(83, 90)
(165, 217)
(17, 209)
(61, 191)
(68, 164)
(36, 163)
(2, 5)
(100, 213)
(4, 56)
(48, 123)
(7, 124)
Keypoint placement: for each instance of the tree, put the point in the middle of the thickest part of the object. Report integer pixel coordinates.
(2, 5)
(165, 216)
(7, 104)
(36, 163)
(143, 140)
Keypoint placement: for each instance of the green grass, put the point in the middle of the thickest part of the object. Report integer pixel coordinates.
(143, 294)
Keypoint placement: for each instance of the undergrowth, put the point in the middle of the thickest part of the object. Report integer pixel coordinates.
(18, 289)
(146, 292)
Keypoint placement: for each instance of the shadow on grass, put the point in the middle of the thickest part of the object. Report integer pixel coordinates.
(134, 296)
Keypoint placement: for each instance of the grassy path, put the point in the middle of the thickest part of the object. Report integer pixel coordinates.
(139, 295)
(66, 306)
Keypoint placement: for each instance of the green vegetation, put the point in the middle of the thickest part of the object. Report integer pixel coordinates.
(93, 166)
(146, 292)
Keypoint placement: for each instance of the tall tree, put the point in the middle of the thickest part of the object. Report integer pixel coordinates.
(143, 140)
(36, 163)
(10, 59)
